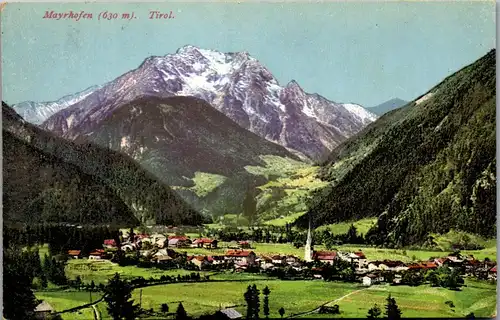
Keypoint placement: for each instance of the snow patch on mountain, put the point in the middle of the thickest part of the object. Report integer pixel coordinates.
(363, 114)
(424, 98)
(38, 112)
(69, 120)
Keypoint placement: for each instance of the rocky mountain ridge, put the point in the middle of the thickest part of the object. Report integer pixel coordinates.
(236, 84)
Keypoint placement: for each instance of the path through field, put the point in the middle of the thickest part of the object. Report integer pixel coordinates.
(324, 304)
(97, 315)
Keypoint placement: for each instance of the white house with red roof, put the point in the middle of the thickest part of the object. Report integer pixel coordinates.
(241, 257)
(325, 256)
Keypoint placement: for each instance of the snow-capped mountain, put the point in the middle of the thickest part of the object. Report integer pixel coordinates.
(38, 112)
(236, 84)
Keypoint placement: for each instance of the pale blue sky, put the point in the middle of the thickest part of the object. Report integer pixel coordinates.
(348, 52)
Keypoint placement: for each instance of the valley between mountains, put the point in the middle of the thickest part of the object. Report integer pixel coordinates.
(202, 136)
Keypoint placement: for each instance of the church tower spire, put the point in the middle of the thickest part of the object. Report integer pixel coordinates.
(308, 249)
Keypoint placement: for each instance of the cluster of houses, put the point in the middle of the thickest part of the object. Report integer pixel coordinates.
(371, 272)
(159, 248)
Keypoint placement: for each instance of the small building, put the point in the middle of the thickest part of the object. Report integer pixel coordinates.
(371, 279)
(492, 273)
(325, 256)
(241, 256)
(162, 259)
(472, 264)
(165, 253)
(75, 254)
(200, 261)
(110, 243)
(156, 239)
(278, 259)
(454, 261)
(244, 245)
(360, 255)
(429, 265)
(43, 310)
(358, 258)
(415, 267)
(128, 247)
(178, 242)
(386, 265)
(263, 259)
(291, 259)
(161, 243)
(97, 254)
(231, 314)
(205, 243)
(267, 266)
(216, 259)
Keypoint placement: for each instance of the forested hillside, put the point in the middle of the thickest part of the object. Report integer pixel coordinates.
(49, 179)
(425, 168)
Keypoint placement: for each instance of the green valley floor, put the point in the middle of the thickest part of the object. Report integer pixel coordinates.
(298, 298)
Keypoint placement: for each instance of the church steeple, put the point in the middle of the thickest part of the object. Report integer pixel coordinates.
(308, 250)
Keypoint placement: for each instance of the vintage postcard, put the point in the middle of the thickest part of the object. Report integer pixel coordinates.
(246, 160)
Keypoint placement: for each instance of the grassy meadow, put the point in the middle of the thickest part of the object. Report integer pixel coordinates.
(201, 298)
(100, 271)
(362, 226)
(296, 297)
(422, 301)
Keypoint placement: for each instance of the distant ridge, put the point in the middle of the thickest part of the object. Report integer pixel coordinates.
(387, 106)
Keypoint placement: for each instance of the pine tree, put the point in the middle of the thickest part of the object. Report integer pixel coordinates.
(281, 311)
(19, 301)
(352, 235)
(250, 205)
(43, 280)
(131, 235)
(374, 312)
(180, 314)
(164, 308)
(391, 309)
(256, 302)
(118, 297)
(248, 298)
(266, 293)
(46, 266)
(78, 282)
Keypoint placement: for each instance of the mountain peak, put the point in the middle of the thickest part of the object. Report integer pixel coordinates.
(187, 48)
(293, 84)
